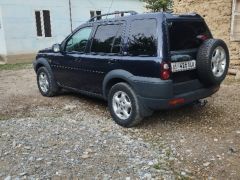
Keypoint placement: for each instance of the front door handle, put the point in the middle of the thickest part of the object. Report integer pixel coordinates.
(112, 61)
(77, 59)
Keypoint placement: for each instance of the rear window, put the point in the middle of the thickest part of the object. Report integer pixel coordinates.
(142, 40)
(185, 34)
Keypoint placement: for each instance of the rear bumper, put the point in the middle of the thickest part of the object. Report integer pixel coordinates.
(157, 94)
(189, 97)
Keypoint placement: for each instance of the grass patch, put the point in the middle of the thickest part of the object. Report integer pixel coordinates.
(157, 166)
(15, 66)
(4, 117)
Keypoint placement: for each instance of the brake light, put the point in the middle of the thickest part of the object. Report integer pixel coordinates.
(165, 71)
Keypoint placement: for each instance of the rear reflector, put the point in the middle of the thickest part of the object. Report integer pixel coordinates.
(174, 102)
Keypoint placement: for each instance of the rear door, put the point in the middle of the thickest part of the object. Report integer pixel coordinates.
(185, 37)
(67, 65)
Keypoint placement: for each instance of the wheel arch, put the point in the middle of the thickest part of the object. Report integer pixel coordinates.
(114, 77)
(42, 62)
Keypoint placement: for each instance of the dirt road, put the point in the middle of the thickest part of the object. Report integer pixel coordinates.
(73, 136)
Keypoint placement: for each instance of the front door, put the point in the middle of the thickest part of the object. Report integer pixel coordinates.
(67, 65)
(103, 55)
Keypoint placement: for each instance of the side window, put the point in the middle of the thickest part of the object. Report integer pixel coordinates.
(96, 13)
(116, 48)
(107, 39)
(79, 40)
(43, 23)
(142, 40)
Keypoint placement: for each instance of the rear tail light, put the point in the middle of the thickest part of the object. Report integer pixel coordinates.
(203, 37)
(165, 71)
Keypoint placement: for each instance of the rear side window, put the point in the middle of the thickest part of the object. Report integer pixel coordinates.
(107, 39)
(142, 40)
(185, 34)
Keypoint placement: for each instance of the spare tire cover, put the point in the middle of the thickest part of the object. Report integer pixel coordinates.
(212, 61)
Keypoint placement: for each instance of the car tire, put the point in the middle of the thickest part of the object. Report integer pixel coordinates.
(46, 82)
(212, 61)
(125, 108)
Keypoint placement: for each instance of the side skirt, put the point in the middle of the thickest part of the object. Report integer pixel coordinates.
(87, 93)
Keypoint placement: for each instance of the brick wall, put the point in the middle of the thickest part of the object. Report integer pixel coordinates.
(217, 14)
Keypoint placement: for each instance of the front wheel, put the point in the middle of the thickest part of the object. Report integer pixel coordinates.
(46, 82)
(124, 106)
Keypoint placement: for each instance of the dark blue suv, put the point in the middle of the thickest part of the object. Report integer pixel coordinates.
(137, 62)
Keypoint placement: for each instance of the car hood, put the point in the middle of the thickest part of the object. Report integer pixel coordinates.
(46, 50)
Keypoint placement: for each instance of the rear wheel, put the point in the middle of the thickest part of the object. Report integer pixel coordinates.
(46, 82)
(124, 106)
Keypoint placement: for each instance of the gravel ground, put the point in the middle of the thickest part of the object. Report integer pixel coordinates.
(72, 136)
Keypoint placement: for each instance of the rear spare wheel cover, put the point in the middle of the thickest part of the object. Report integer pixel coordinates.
(212, 61)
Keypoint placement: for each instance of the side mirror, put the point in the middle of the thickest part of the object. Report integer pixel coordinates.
(56, 48)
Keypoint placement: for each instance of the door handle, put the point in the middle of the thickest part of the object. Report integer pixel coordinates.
(112, 61)
(77, 59)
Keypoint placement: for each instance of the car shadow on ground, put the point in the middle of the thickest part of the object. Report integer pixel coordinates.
(182, 115)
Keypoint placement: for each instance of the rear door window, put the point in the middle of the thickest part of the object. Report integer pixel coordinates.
(142, 39)
(107, 39)
(185, 35)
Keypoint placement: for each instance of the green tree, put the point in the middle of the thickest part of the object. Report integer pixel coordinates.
(159, 5)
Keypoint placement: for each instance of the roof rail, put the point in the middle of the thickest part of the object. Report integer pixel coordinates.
(116, 12)
(189, 14)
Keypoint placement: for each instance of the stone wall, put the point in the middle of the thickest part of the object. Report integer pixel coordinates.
(217, 14)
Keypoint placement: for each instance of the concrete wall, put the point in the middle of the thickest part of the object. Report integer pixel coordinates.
(20, 26)
(218, 15)
(3, 51)
(81, 11)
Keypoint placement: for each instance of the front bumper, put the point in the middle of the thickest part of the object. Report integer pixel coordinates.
(34, 62)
